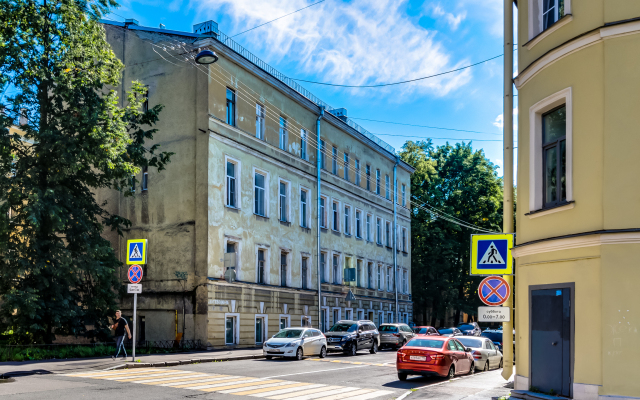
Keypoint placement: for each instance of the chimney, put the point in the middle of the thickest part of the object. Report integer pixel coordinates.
(340, 113)
(130, 21)
(208, 28)
(162, 26)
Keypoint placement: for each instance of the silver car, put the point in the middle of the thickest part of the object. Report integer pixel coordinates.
(394, 335)
(484, 352)
(296, 343)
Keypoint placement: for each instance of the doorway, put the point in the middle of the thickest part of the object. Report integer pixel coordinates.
(552, 331)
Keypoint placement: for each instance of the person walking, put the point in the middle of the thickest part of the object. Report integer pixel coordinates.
(120, 326)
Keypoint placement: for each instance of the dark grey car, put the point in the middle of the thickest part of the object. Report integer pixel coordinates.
(395, 335)
(470, 329)
(350, 336)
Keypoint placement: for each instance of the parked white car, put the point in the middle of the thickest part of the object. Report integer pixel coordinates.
(296, 342)
(485, 353)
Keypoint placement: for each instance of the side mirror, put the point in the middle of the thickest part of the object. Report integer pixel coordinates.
(467, 349)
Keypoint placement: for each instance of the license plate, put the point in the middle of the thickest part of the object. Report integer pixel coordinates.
(418, 358)
(337, 347)
(275, 350)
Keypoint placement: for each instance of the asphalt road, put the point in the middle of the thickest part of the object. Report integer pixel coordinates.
(337, 377)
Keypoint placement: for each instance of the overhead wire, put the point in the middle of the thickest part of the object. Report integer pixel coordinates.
(425, 126)
(268, 22)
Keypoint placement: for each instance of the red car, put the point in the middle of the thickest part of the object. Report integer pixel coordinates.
(434, 356)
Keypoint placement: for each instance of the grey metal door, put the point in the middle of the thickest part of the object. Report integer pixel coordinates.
(551, 340)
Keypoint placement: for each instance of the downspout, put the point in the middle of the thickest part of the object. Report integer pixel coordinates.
(395, 234)
(319, 171)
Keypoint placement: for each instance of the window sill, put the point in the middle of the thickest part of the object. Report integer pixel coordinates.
(305, 229)
(551, 210)
(285, 223)
(540, 36)
(261, 217)
(325, 230)
(347, 234)
(358, 237)
(232, 208)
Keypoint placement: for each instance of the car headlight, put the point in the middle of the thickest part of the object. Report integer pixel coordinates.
(292, 344)
(264, 344)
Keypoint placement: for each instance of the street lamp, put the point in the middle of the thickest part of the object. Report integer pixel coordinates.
(206, 57)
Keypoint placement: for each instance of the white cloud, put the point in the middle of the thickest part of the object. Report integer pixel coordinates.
(359, 42)
(450, 18)
(499, 121)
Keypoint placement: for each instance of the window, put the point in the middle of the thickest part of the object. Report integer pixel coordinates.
(323, 160)
(283, 269)
(145, 178)
(259, 194)
(261, 266)
(283, 133)
(145, 99)
(368, 173)
(369, 228)
(359, 273)
(284, 323)
(379, 273)
(386, 186)
(347, 220)
(360, 318)
(552, 11)
(346, 166)
(323, 213)
(357, 172)
(260, 121)
(283, 201)
(387, 232)
(231, 185)
(304, 211)
(336, 315)
(404, 240)
(303, 144)
(304, 273)
(334, 161)
(389, 275)
(348, 314)
(336, 269)
(336, 217)
(359, 224)
(404, 195)
(378, 182)
(260, 325)
(231, 107)
(405, 281)
(323, 266)
(370, 275)
(230, 330)
(554, 160)
(378, 231)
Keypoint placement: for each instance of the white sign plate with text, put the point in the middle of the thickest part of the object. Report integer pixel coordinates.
(134, 288)
(494, 314)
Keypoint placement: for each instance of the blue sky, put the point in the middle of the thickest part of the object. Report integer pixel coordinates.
(363, 42)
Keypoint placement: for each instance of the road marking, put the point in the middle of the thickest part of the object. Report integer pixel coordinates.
(282, 391)
(239, 385)
(337, 390)
(303, 392)
(213, 379)
(103, 373)
(367, 396)
(157, 381)
(312, 372)
(351, 394)
(216, 382)
(280, 387)
(387, 364)
(259, 386)
(136, 378)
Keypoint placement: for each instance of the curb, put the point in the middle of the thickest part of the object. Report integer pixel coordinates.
(185, 362)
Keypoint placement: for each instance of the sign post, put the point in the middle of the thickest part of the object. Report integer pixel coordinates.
(135, 276)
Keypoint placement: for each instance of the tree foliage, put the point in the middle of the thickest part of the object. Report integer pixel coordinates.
(58, 274)
(463, 183)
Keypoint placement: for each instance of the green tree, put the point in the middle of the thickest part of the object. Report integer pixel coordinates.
(463, 183)
(58, 274)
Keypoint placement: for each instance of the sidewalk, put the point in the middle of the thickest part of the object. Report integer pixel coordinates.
(16, 368)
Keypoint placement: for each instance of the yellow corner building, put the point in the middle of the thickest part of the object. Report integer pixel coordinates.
(577, 252)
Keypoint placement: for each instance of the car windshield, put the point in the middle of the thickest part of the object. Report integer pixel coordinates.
(289, 333)
(420, 330)
(433, 344)
(469, 342)
(343, 328)
(447, 331)
(388, 328)
(466, 327)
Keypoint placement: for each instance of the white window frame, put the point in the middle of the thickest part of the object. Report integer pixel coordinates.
(306, 256)
(369, 223)
(283, 133)
(346, 313)
(335, 219)
(358, 224)
(327, 267)
(405, 240)
(380, 277)
(308, 318)
(267, 264)
(357, 178)
(347, 219)
(361, 275)
(536, 22)
(238, 243)
(379, 231)
(234, 120)
(260, 124)
(288, 277)
(323, 213)
(287, 200)
(360, 314)
(367, 176)
(333, 310)
(536, 179)
(404, 195)
(236, 328)
(391, 317)
(265, 327)
(144, 183)
(336, 280)
(371, 276)
(284, 316)
(323, 155)
(303, 144)
(305, 222)
(378, 182)
(238, 179)
(387, 234)
(388, 278)
(266, 191)
(334, 160)
(387, 187)
(346, 167)
(327, 316)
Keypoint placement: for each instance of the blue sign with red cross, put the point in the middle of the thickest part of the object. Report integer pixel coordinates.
(494, 291)
(135, 274)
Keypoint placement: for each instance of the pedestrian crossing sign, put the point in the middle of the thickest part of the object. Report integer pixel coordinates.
(491, 254)
(137, 251)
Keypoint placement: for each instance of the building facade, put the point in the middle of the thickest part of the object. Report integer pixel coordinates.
(232, 223)
(578, 222)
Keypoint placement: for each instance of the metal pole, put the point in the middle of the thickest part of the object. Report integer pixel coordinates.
(507, 206)
(395, 234)
(319, 170)
(135, 303)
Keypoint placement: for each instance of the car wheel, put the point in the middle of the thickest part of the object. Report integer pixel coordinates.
(472, 370)
(268, 357)
(401, 344)
(486, 366)
(374, 348)
(452, 372)
(353, 349)
(323, 352)
(402, 376)
(299, 354)
(500, 366)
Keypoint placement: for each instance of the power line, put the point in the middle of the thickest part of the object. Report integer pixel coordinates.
(425, 126)
(439, 138)
(268, 22)
(401, 82)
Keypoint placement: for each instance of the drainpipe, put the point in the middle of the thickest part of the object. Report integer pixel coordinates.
(395, 234)
(507, 207)
(319, 170)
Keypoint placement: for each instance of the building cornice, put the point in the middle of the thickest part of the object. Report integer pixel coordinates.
(587, 39)
(578, 240)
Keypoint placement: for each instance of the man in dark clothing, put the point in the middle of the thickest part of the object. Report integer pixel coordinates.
(120, 326)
